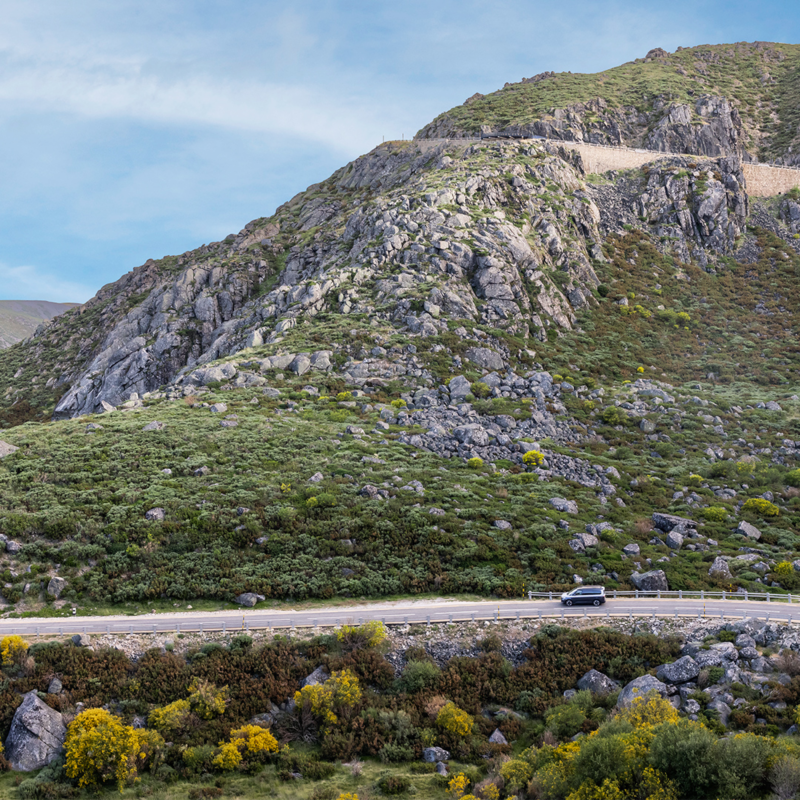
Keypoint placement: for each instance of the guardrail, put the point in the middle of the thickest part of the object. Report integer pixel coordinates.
(568, 142)
(776, 610)
(701, 594)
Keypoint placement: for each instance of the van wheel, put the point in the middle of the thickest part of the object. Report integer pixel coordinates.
(568, 602)
(596, 603)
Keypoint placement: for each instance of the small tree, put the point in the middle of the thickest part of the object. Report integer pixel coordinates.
(100, 748)
(12, 649)
(254, 739)
(451, 719)
(206, 700)
(533, 458)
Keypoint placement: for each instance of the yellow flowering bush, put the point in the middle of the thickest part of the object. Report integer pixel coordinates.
(399, 403)
(695, 480)
(340, 692)
(100, 748)
(533, 458)
(640, 369)
(784, 568)
(169, 717)
(516, 772)
(715, 514)
(373, 631)
(347, 796)
(458, 785)
(206, 700)
(475, 462)
(12, 649)
(454, 721)
(649, 709)
(254, 739)
(608, 791)
(762, 507)
(228, 757)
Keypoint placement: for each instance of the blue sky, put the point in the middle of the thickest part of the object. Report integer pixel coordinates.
(132, 130)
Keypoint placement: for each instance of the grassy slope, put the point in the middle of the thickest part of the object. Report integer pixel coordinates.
(734, 71)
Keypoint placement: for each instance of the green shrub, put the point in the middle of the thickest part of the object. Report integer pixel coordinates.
(480, 390)
(394, 784)
(475, 462)
(613, 416)
(419, 676)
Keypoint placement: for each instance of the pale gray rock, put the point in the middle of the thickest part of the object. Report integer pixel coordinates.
(666, 522)
(81, 640)
(641, 687)
(563, 505)
(13, 547)
(459, 387)
(497, 737)
(435, 755)
(55, 686)
(631, 550)
(485, 358)
(680, 671)
(247, 599)
(156, 515)
(746, 529)
(7, 449)
(723, 710)
(56, 586)
(652, 581)
(36, 736)
(316, 678)
(218, 408)
(597, 683)
(719, 569)
(674, 540)
(153, 426)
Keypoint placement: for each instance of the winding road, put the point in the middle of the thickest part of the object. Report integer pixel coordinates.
(396, 613)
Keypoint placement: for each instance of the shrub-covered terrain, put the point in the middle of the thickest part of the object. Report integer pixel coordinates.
(234, 719)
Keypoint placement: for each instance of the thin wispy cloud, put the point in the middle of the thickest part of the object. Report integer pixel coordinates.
(142, 128)
(31, 284)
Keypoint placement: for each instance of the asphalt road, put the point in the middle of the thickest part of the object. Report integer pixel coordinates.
(396, 613)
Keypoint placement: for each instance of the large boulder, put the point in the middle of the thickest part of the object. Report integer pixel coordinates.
(248, 599)
(680, 671)
(484, 357)
(563, 505)
(719, 569)
(666, 522)
(37, 735)
(723, 710)
(434, 755)
(56, 586)
(748, 530)
(316, 678)
(459, 388)
(653, 581)
(597, 683)
(7, 449)
(640, 687)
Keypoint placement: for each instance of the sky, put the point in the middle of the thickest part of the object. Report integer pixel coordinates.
(134, 130)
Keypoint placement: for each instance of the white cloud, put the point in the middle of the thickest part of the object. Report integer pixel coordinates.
(29, 283)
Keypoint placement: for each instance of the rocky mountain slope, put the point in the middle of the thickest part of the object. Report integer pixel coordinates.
(711, 100)
(20, 318)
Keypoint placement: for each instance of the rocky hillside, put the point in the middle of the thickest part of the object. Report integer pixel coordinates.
(19, 319)
(416, 237)
(711, 100)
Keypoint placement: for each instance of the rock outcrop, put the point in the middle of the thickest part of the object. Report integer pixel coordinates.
(37, 735)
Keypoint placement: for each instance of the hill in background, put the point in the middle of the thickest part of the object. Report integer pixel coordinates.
(20, 318)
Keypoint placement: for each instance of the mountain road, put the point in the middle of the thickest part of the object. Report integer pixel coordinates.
(395, 613)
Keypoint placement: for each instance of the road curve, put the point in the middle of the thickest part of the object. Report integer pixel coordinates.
(397, 613)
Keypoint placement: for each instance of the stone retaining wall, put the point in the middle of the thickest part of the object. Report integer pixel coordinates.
(763, 180)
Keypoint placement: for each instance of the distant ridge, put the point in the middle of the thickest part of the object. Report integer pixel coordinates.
(20, 318)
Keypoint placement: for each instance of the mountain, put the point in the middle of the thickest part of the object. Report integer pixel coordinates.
(710, 100)
(20, 318)
(454, 365)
